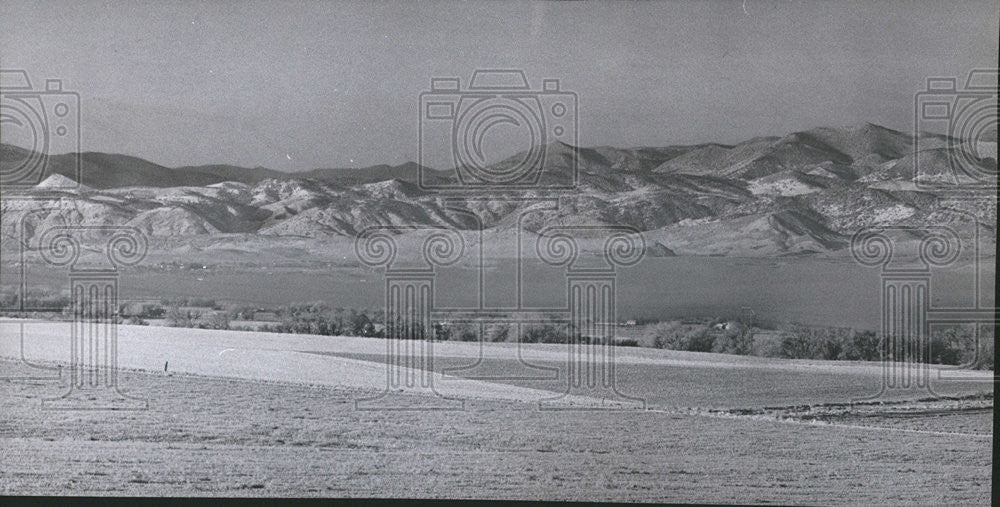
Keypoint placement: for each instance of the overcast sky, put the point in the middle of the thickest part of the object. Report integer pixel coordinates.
(297, 85)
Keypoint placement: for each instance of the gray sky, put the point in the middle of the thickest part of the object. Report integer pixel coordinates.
(300, 85)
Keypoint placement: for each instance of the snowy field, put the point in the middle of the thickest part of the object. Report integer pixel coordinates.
(247, 413)
(473, 370)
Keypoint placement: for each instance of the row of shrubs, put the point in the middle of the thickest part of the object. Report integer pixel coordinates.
(11, 302)
(953, 345)
(319, 320)
(536, 333)
(302, 318)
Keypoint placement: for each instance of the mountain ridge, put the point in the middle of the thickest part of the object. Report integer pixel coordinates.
(805, 192)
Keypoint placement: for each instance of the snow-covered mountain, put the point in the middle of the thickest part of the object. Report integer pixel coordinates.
(805, 192)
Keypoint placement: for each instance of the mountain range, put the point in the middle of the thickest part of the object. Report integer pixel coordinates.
(806, 192)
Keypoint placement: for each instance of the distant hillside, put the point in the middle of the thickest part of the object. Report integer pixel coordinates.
(107, 170)
(801, 193)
